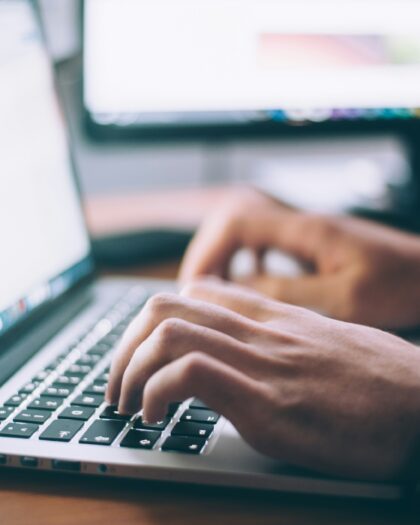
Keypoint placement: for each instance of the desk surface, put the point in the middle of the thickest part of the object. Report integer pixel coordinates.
(37, 498)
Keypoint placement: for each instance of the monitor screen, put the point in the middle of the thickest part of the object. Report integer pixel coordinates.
(44, 243)
(189, 62)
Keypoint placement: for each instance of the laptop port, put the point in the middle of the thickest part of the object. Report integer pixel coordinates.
(27, 461)
(72, 466)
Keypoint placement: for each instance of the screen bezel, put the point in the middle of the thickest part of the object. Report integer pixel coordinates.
(21, 327)
(219, 131)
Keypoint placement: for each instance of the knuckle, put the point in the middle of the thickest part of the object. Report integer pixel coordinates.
(170, 330)
(192, 366)
(160, 302)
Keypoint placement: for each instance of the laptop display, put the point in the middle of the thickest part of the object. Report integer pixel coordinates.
(44, 243)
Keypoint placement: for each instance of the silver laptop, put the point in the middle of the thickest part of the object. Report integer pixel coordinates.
(59, 325)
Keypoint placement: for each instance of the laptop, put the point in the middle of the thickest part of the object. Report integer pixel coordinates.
(59, 324)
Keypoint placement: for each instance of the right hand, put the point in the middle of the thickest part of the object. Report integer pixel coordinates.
(362, 272)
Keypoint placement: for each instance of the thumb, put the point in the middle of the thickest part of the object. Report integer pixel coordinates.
(320, 293)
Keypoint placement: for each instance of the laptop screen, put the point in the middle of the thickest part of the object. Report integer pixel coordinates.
(44, 243)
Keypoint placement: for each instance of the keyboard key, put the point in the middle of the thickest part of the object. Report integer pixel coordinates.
(96, 388)
(99, 349)
(144, 439)
(90, 360)
(29, 388)
(79, 413)
(78, 370)
(192, 429)
(172, 409)
(160, 425)
(33, 416)
(19, 430)
(184, 444)
(57, 391)
(197, 403)
(5, 412)
(102, 432)
(200, 416)
(16, 400)
(41, 376)
(103, 377)
(46, 403)
(111, 412)
(61, 430)
(88, 400)
(67, 380)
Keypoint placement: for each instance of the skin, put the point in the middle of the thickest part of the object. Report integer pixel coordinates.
(359, 271)
(314, 391)
(339, 398)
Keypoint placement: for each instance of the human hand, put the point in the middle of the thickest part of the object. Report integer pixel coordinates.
(360, 271)
(339, 398)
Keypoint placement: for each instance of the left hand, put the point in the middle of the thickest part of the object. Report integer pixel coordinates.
(339, 398)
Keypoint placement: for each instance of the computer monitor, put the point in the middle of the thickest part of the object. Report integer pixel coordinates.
(202, 65)
(45, 250)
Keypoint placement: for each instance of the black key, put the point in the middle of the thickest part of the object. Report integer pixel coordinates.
(88, 400)
(102, 432)
(103, 377)
(184, 444)
(96, 388)
(160, 425)
(19, 430)
(41, 376)
(67, 380)
(46, 403)
(33, 416)
(79, 413)
(5, 412)
(29, 388)
(90, 360)
(144, 439)
(57, 391)
(197, 403)
(111, 412)
(16, 400)
(172, 409)
(200, 416)
(99, 349)
(192, 429)
(61, 430)
(78, 370)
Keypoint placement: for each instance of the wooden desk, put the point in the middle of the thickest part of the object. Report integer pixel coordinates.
(35, 498)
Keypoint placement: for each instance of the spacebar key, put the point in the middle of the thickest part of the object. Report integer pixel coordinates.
(102, 432)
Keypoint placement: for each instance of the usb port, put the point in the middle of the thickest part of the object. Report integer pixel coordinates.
(72, 466)
(27, 461)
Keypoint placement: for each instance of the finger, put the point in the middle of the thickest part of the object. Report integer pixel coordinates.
(211, 249)
(165, 306)
(314, 291)
(172, 340)
(241, 299)
(302, 235)
(197, 374)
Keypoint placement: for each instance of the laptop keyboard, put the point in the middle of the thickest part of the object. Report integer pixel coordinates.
(64, 402)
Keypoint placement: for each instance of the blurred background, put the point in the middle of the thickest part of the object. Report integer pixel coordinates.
(170, 102)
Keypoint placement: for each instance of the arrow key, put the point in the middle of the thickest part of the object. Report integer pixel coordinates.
(144, 439)
(102, 432)
(61, 430)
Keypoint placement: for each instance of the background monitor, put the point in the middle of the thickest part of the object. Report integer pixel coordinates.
(240, 64)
